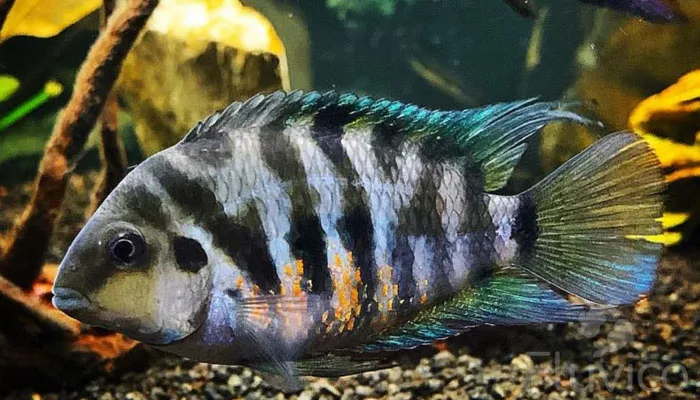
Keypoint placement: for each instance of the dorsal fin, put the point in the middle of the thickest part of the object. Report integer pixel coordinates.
(491, 138)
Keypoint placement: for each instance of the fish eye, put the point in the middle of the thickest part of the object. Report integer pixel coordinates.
(126, 248)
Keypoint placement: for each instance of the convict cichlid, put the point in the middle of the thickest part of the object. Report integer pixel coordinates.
(308, 233)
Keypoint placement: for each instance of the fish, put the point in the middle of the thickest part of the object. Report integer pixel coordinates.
(657, 11)
(317, 233)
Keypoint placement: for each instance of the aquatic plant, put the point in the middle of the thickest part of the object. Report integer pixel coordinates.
(42, 18)
(51, 89)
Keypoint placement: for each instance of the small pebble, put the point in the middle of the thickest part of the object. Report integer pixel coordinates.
(522, 362)
(235, 382)
(470, 362)
(364, 390)
(443, 359)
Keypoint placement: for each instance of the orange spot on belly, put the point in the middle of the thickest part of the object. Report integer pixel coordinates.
(300, 268)
(288, 270)
(355, 295)
(338, 261)
(385, 290)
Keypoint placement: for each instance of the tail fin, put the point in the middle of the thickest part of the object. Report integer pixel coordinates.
(597, 216)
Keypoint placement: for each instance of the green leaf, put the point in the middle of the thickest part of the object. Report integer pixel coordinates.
(8, 85)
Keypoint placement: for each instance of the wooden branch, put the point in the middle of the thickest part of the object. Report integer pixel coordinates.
(111, 154)
(111, 149)
(30, 237)
(43, 349)
(5, 7)
(15, 302)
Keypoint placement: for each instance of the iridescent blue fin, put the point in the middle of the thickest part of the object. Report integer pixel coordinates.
(508, 297)
(489, 139)
(591, 228)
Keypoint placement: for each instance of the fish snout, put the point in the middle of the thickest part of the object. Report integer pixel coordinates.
(70, 300)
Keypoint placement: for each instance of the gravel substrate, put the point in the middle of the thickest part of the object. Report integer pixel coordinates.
(649, 351)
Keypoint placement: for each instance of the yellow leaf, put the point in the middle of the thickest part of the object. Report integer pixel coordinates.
(672, 154)
(667, 238)
(45, 18)
(671, 220)
(677, 110)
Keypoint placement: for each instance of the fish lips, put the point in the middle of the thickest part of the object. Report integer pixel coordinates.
(71, 302)
(77, 306)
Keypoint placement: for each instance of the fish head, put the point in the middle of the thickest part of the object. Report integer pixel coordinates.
(121, 273)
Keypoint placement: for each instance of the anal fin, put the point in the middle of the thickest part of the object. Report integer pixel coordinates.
(332, 365)
(508, 297)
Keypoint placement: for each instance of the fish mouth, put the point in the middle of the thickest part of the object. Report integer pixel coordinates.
(70, 300)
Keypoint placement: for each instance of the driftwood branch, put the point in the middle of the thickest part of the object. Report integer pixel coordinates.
(15, 301)
(111, 153)
(42, 348)
(5, 6)
(111, 149)
(30, 237)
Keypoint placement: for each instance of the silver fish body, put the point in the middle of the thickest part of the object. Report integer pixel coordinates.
(295, 225)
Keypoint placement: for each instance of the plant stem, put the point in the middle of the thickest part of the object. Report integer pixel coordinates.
(50, 90)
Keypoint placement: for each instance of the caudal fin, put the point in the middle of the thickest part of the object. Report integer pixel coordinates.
(597, 219)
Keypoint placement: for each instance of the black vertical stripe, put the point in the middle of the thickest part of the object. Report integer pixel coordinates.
(402, 258)
(247, 245)
(305, 238)
(357, 235)
(525, 228)
(479, 226)
(355, 226)
(140, 201)
(308, 244)
(422, 218)
(386, 140)
(242, 238)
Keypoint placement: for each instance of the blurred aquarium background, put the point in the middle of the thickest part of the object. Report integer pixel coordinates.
(197, 56)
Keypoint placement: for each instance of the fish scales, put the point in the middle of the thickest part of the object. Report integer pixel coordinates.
(300, 224)
(290, 173)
